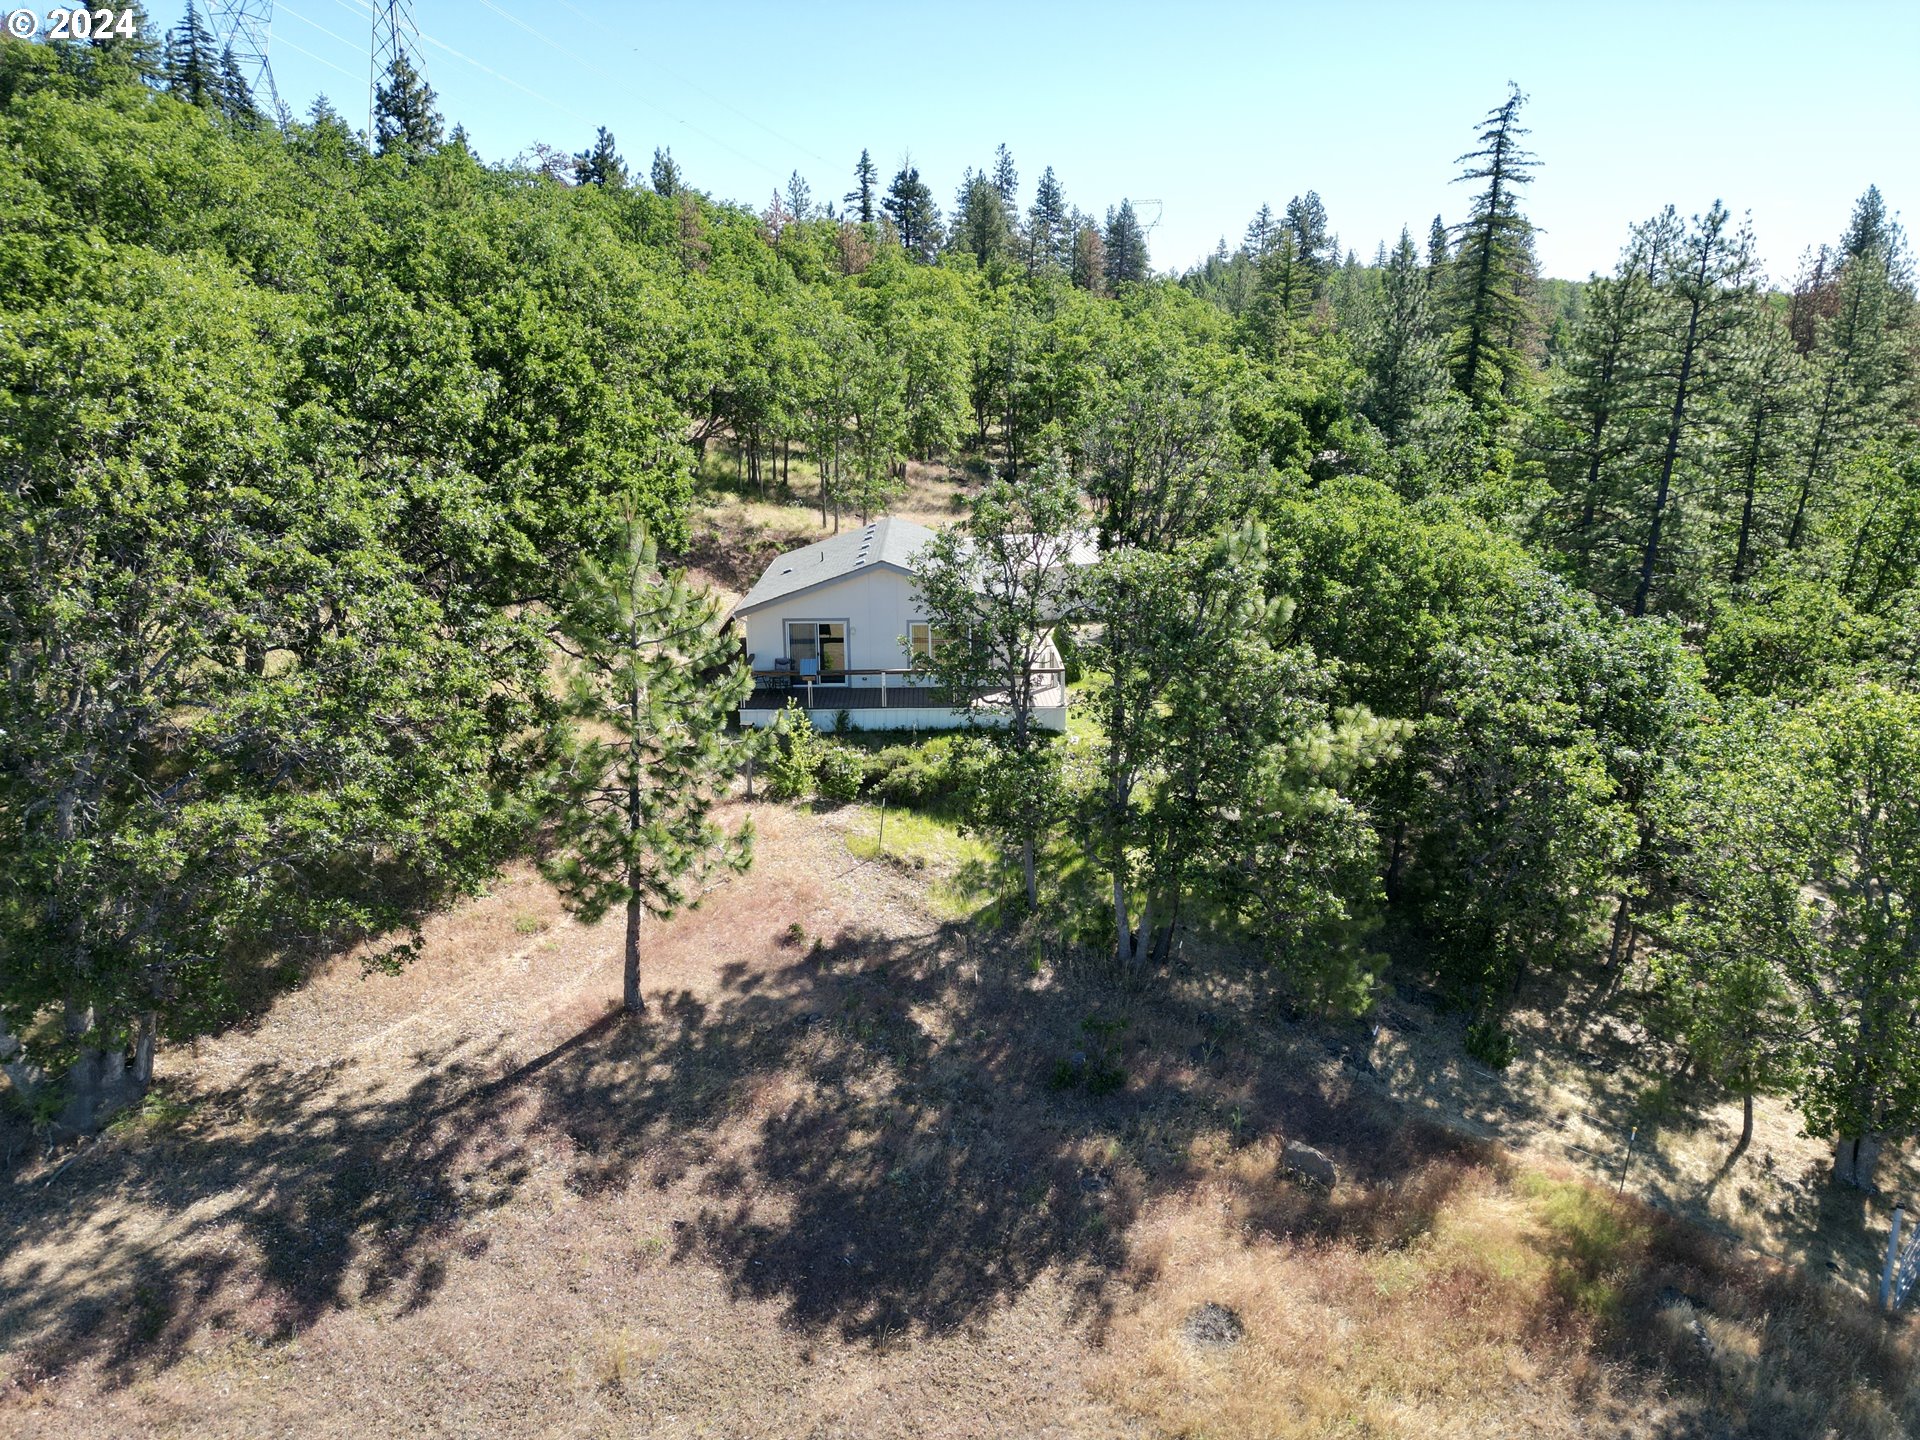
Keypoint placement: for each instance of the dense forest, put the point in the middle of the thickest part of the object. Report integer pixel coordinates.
(1444, 612)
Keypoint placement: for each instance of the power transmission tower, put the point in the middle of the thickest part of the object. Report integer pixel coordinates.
(394, 35)
(246, 28)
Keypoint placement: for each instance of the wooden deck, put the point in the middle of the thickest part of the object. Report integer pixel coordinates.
(847, 697)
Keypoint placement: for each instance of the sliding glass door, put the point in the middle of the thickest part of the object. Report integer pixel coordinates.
(824, 641)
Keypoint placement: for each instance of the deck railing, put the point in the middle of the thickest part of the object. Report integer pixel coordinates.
(896, 688)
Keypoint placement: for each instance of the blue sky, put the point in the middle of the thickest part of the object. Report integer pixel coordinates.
(1788, 111)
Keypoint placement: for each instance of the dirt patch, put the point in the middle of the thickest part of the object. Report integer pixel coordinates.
(830, 1187)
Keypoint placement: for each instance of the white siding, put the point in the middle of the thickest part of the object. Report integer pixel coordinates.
(876, 606)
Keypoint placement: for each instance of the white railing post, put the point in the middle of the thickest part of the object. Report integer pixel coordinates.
(883, 689)
(1893, 1253)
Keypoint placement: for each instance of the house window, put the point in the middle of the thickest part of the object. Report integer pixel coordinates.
(824, 641)
(920, 639)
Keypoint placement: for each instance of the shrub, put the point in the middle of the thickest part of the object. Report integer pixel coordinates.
(922, 776)
(1069, 648)
(793, 759)
(1490, 1044)
(838, 773)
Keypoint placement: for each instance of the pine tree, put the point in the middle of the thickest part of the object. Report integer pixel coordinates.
(1125, 244)
(1089, 255)
(1399, 350)
(1006, 181)
(1492, 271)
(915, 218)
(235, 99)
(1314, 245)
(799, 198)
(601, 163)
(404, 120)
(1437, 253)
(665, 175)
(1598, 417)
(775, 216)
(652, 680)
(1769, 402)
(1861, 354)
(981, 225)
(865, 177)
(1282, 301)
(192, 62)
(1049, 237)
(1706, 278)
(129, 57)
(1260, 233)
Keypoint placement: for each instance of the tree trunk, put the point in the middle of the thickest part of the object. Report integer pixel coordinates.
(97, 1085)
(1621, 916)
(1856, 1159)
(1750, 485)
(143, 1048)
(1746, 1124)
(631, 1000)
(1675, 424)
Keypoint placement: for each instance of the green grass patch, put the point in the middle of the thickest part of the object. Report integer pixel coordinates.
(158, 1110)
(1593, 1240)
(963, 868)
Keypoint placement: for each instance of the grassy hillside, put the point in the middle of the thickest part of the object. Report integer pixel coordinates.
(867, 1172)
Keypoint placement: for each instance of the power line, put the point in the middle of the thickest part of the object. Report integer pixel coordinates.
(245, 28)
(578, 59)
(704, 93)
(395, 37)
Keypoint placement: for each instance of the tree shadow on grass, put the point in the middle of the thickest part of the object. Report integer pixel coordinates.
(877, 1134)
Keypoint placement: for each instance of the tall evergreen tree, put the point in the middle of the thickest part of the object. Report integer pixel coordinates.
(800, 206)
(1089, 255)
(600, 164)
(404, 120)
(1126, 246)
(652, 679)
(1006, 181)
(981, 225)
(1768, 391)
(1261, 231)
(1049, 236)
(1399, 350)
(1314, 245)
(1706, 276)
(916, 219)
(1861, 356)
(1282, 301)
(1597, 417)
(1437, 251)
(866, 176)
(192, 61)
(665, 175)
(235, 98)
(1492, 271)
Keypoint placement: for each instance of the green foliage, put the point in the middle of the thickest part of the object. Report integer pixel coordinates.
(839, 774)
(928, 776)
(1798, 915)
(792, 764)
(651, 682)
(1489, 1042)
(291, 492)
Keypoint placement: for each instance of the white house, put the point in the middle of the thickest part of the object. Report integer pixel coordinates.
(835, 625)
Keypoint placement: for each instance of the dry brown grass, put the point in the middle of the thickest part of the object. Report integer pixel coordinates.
(734, 535)
(835, 1186)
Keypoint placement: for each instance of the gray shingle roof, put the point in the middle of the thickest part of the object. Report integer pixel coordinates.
(887, 541)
